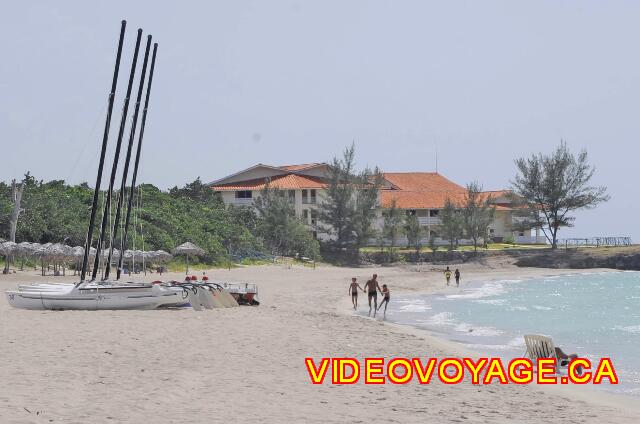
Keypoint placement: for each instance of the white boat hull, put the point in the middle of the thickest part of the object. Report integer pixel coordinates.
(69, 297)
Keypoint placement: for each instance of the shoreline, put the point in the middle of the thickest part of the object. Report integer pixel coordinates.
(132, 366)
(460, 349)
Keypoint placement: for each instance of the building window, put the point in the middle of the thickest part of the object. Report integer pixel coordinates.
(315, 234)
(305, 215)
(411, 212)
(313, 217)
(243, 194)
(292, 196)
(309, 196)
(434, 212)
(491, 231)
(521, 233)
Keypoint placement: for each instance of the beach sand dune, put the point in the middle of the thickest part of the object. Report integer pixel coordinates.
(247, 364)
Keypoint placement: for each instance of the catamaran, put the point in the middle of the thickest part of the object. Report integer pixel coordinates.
(105, 293)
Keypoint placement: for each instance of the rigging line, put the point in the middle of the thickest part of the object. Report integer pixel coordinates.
(133, 236)
(107, 263)
(144, 264)
(74, 169)
(98, 247)
(137, 210)
(125, 195)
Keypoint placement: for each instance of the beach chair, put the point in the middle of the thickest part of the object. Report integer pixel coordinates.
(542, 347)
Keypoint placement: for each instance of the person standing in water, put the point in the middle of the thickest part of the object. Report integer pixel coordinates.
(385, 301)
(447, 275)
(457, 275)
(353, 289)
(372, 287)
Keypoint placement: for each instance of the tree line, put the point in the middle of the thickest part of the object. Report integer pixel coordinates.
(57, 212)
(546, 190)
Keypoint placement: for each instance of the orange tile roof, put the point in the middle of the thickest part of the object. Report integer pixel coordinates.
(420, 190)
(283, 182)
(422, 181)
(428, 190)
(498, 193)
(418, 199)
(298, 167)
(425, 199)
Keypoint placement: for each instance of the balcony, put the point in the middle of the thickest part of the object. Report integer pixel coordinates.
(429, 220)
(243, 202)
(521, 220)
(308, 201)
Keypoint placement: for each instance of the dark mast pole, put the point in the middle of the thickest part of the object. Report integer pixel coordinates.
(105, 137)
(125, 172)
(114, 168)
(135, 168)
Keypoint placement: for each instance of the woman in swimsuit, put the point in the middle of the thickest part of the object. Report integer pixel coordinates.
(447, 275)
(385, 301)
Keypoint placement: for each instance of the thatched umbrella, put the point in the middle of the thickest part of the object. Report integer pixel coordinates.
(77, 253)
(43, 255)
(132, 257)
(162, 256)
(58, 253)
(114, 257)
(7, 249)
(37, 252)
(187, 249)
(34, 253)
(24, 250)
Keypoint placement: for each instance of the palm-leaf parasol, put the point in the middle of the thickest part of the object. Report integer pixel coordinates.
(187, 249)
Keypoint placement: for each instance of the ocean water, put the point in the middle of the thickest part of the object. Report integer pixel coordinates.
(592, 314)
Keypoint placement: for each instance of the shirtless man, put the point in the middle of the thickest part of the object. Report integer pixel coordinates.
(353, 289)
(372, 287)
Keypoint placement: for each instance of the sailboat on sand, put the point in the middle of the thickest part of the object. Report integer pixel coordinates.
(106, 293)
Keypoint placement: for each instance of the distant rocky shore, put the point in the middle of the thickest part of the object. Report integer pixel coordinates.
(622, 258)
(615, 258)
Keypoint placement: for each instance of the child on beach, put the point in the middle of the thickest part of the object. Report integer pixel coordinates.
(457, 275)
(372, 287)
(353, 289)
(447, 275)
(385, 301)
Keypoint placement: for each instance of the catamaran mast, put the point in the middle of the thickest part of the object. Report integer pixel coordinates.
(105, 137)
(125, 172)
(137, 162)
(114, 168)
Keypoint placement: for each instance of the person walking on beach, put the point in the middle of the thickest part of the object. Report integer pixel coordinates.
(447, 275)
(457, 275)
(372, 287)
(353, 289)
(385, 301)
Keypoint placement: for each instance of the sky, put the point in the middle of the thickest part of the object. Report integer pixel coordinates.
(280, 82)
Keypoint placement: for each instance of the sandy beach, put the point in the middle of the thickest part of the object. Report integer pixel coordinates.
(247, 364)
